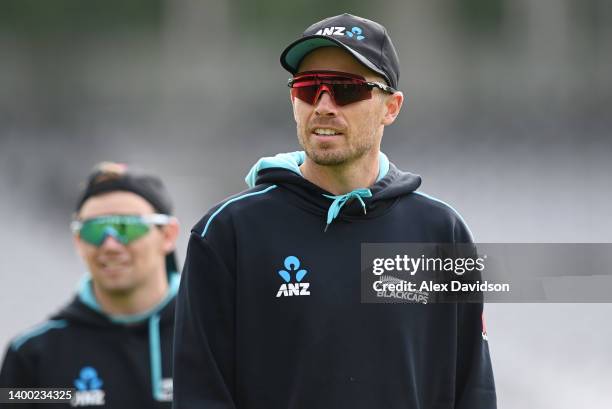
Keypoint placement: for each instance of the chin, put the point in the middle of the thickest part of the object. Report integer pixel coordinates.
(117, 289)
(114, 285)
(327, 157)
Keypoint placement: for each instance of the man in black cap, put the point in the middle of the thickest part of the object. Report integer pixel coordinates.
(269, 313)
(113, 342)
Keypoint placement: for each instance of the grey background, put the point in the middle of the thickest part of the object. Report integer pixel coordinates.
(507, 118)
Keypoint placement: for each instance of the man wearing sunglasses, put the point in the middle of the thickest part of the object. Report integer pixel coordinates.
(269, 313)
(113, 342)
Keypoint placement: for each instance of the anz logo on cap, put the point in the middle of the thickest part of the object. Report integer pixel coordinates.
(355, 32)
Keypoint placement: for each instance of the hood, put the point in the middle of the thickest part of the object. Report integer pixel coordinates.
(284, 170)
(84, 309)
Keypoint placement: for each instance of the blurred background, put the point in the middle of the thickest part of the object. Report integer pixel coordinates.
(507, 118)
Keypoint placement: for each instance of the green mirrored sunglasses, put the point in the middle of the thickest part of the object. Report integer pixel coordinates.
(123, 228)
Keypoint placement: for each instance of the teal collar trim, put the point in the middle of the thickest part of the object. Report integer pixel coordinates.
(292, 161)
(383, 166)
(87, 297)
(341, 200)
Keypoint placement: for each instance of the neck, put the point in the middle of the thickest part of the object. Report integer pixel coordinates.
(136, 301)
(343, 178)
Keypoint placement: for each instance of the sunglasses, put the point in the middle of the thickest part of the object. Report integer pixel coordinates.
(344, 88)
(123, 228)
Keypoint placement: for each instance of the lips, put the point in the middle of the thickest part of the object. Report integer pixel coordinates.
(116, 264)
(321, 131)
(114, 268)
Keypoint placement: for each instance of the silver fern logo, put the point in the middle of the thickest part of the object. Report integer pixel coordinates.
(388, 286)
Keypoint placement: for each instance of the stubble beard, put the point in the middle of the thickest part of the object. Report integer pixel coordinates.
(335, 156)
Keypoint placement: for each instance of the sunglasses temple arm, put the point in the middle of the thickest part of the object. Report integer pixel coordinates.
(75, 226)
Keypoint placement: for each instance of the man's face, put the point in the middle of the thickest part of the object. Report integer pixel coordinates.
(116, 268)
(357, 128)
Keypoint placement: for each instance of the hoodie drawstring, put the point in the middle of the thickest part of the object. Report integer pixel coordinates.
(155, 358)
(341, 200)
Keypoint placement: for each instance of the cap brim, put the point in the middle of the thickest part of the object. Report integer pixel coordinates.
(295, 52)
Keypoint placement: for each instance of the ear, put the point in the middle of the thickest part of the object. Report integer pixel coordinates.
(170, 232)
(393, 105)
(78, 245)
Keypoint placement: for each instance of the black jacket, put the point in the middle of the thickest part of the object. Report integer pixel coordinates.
(242, 343)
(113, 362)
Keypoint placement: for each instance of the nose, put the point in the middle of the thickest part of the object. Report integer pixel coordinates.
(325, 105)
(111, 239)
(110, 242)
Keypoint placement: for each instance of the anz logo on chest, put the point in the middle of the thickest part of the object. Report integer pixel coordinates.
(293, 272)
(354, 32)
(89, 390)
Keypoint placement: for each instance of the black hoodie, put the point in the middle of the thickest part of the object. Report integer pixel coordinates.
(112, 362)
(245, 341)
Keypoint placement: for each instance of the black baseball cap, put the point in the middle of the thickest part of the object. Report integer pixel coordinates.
(365, 39)
(111, 176)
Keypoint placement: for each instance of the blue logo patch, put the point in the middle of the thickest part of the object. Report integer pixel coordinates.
(289, 289)
(292, 264)
(88, 380)
(357, 32)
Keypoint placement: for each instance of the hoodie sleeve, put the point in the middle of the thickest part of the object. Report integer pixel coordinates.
(204, 331)
(16, 373)
(15, 370)
(475, 387)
